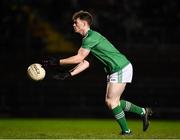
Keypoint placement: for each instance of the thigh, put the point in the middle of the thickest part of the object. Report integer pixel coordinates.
(115, 90)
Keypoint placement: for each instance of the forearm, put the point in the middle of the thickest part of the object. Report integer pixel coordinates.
(70, 60)
(76, 59)
(80, 67)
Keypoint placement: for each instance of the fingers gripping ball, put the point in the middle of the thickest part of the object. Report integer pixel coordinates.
(36, 72)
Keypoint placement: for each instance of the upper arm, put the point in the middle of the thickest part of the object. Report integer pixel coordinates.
(83, 53)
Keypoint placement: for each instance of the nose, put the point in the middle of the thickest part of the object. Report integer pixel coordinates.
(74, 24)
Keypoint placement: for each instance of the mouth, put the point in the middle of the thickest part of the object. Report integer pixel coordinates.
(75, 29)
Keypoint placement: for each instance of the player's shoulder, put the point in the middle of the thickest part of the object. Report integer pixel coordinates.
(93, 32)
(93, 35)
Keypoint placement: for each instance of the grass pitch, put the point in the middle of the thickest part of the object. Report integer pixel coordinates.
(84, 129)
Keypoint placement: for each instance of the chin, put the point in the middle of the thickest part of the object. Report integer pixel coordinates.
(76, 31)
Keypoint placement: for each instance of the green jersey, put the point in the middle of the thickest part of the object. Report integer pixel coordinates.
(101, 48)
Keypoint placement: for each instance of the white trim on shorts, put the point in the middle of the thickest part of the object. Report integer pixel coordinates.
(123, 76)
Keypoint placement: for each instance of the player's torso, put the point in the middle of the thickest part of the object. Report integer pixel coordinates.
(102, 49)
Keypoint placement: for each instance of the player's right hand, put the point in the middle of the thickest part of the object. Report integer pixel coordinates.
(50, 62)
(62, 76)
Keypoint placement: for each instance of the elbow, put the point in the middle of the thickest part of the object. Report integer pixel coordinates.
(78, 59)
(86, 63)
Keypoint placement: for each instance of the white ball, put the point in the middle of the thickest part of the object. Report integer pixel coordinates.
(36, 72)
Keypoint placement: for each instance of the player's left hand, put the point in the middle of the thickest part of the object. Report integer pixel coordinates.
(62, 76)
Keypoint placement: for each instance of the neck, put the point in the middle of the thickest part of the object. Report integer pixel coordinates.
(84, 32)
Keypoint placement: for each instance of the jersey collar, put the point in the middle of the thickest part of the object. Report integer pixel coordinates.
(87, 33)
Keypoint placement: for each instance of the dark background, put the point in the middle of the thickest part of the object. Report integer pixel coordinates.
(147, 32)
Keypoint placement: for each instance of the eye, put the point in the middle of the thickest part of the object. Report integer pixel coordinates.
(74, 22)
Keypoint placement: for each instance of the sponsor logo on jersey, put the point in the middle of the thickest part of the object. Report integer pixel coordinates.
(113, 79)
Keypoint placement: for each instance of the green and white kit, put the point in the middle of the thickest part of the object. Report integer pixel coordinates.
(114, 61)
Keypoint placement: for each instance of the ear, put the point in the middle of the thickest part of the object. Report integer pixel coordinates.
(85, 23)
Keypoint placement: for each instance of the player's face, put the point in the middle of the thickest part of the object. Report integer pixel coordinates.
(78, 25)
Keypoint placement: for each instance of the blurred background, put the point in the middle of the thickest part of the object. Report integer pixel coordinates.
(147, 32)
